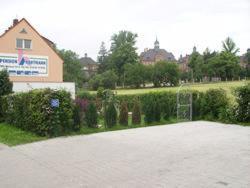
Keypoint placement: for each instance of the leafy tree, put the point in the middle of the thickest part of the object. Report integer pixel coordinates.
(102, 58)
(135, 75)
(109, 79)
(196, 64)
(72, 68)
(229, 65)
(123, 51)
(247, 56)
(5, 84)
(96, 81)
(165, 73)
(229, 46)
(106, 80)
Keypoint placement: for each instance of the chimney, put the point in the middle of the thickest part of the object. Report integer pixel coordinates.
(145, 49)
(15, 21)
(85, 55)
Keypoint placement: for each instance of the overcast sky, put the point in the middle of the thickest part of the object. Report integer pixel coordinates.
(81, 25)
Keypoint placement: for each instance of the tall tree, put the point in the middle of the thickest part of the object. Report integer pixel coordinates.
(123, 51)
(196, 63)
(229, 46)
(72, 68)
(102, 58)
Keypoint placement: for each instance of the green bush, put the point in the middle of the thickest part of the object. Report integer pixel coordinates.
(242, 112)
(5, 84)
(136, 112)
(213, 103)
(5, 88)
(32, 111)
(123, 116)
(110, 115)
(91, 115)
(77, 118)
(151, 108)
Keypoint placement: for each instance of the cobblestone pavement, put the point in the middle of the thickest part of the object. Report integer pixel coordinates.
(194, 154)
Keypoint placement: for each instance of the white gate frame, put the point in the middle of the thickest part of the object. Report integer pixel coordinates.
(189, 104)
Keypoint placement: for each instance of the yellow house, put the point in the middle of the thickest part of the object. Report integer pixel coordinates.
(28, 56)
(30, 59)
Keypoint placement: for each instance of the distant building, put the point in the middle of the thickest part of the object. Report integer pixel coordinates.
(152, 56)
(183, 63)
(243, 60)
(90, 67)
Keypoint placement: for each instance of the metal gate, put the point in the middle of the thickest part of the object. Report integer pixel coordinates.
(184, 103)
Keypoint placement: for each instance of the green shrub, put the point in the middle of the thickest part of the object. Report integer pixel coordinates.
(32, 111)
(168, 105)
(5, 88)
(77, 118)
(151, 108)
(91, 115)
(99, 93)
(123, 116)
(110, 115)
(136, 113)
(5, 84)
(242, 112)
(213, 103)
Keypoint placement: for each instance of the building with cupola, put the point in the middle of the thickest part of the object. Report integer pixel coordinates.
(152, 56)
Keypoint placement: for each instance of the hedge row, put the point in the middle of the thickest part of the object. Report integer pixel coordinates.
(32, 111)
(211, 105)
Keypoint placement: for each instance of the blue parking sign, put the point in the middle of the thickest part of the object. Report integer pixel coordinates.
(54, 103)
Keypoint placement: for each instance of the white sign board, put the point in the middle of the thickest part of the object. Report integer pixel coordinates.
(24, 65)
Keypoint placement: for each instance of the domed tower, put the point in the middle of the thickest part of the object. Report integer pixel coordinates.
(157, 44)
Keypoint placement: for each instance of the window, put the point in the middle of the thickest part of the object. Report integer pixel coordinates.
(19, 43)
(27, 44)
(23, 43)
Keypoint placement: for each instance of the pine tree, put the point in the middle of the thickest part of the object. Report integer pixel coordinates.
(136, 112)
(91, 115)
(123, 118)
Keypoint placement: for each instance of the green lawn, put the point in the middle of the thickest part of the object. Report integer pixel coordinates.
(228, 86)
(12, 136)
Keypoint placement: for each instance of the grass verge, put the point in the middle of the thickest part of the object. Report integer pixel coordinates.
(12, 136)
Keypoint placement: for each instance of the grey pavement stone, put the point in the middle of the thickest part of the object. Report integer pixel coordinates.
(191, 154)
(3, 146)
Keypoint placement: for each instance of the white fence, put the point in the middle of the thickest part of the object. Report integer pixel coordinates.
(27, 86)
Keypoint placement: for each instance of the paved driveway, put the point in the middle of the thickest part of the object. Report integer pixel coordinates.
(196, 154)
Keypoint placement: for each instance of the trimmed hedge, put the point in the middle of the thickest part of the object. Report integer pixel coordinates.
(243, 99)
(206, 105)
(32, 111)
